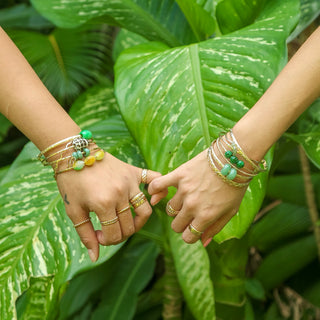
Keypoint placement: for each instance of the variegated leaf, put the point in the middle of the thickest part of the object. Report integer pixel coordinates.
(155, 20)
(36, 237)
(176, 100)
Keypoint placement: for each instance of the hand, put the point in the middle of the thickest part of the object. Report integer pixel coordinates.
(105, 188)
(203, 199)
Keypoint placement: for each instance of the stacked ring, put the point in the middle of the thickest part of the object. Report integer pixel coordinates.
(109, 222)
(195, 231)
(138, 200)
(123, 210)
(144, 175)
(170, 211)
(81, 223)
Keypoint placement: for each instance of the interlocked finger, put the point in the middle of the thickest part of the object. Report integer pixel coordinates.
(142, 209)
(126, 221)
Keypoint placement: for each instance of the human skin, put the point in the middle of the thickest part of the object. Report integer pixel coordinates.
(104, 188)
(202, 198)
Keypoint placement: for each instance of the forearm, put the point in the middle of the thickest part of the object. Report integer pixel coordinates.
(296, 87)
(26, 102)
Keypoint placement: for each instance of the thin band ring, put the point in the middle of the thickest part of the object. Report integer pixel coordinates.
(170, 211)
(195, 231)
(82, 222)
(123, 210)
(136, 197)
(109, 222)
(144, 175)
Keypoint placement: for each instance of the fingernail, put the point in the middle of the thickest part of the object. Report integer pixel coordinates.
(92, 255)
(207, 242)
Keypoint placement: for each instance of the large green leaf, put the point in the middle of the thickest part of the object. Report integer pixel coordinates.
(201, 21)
(5, 124)
(175, 101)
(67, 61)
(234, 14)
(155, 20)
(36, 237)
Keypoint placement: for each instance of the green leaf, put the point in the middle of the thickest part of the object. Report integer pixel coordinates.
(134, 270)
(36, 300)
(234, 14)
(285, 261)
(175, 101)
(67, 61)
(23, 16)
(193, 271)
(5, 124)
(309, 132)
(284, 222)
(37, 239)
(310, 10)
(255, 289)
(154, 20)
(201, 21)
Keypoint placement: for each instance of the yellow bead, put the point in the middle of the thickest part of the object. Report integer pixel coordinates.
(99, 155)
(89, 161)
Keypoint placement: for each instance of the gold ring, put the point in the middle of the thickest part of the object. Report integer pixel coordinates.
(138, 200)
(81, 223)
(144, 175)
(108, 222)
(170, 211)
(195, 231)
(123, 210)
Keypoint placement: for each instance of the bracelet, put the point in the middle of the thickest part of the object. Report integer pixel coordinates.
(81, 156)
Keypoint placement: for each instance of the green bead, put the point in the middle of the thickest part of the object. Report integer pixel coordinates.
(86, 152)
(233, 159)
(75, 155)
(79, 154)
(228, 153)
(232, 174)
(78, 165)
(226, 169)
(240, 164)
(86, 134)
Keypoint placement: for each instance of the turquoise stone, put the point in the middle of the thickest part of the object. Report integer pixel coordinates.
(78, 165)
(228, 153)
(75, 155)
(86, 152)
(79, 154)
(233, 159)
(86, 134)
(240, 164)
(232, 174)
(226, 169)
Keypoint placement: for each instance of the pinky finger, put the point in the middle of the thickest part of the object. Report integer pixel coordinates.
(215, 228)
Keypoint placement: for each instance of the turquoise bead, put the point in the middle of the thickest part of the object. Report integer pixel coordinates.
(75, 155)
(86, 152)
(79, 154)
(226, 169)
(86, 134)
(232, 174)
(233, 159)
(228, 153)
(240, 164)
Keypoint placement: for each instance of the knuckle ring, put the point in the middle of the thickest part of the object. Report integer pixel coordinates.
(195, 231)
(144, 175)
(138, 200)
(82, 222)
(170, 211)
(123, 210)
(109, 222)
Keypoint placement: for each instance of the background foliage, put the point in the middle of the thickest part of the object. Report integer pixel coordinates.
(184, 71)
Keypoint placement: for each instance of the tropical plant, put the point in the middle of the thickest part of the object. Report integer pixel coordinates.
(173, 95)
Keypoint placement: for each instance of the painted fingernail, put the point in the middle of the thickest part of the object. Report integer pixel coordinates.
(92, 255)
(207, 242)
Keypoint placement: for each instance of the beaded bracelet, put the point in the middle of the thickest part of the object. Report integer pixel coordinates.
(78, 159)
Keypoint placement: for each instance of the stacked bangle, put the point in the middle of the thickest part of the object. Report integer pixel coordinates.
(79, 151)
(229, 161)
